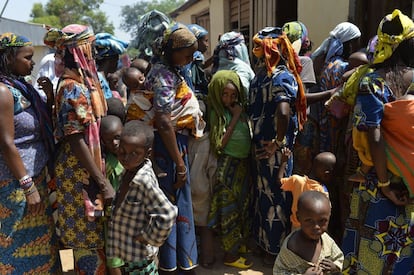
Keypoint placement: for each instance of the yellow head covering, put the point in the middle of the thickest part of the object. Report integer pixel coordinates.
(387, 43)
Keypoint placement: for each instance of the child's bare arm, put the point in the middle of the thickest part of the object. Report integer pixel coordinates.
(285, 157)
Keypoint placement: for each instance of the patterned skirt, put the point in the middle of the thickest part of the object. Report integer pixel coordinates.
(229, 215)
(28, 244)
(379, 236)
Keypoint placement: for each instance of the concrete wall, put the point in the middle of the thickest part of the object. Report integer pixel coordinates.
(321, 16)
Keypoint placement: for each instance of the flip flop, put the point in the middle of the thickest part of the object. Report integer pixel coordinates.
(239, 263)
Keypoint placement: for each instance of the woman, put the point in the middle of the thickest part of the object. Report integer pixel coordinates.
(379, 233)
(277, 110)
(231, 54)
(177, 115)
(82, 187)
(28, 244)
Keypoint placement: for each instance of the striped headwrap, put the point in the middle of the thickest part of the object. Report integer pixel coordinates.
(387, 43)
(78, 39)
(9, 39)
(108, 45)
(272, 45)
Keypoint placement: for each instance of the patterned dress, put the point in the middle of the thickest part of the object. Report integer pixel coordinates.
(84, 234)
(173, 96)
(28, 244)
(379, 236)
(271, 205)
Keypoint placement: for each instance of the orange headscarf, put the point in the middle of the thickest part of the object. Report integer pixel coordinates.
(272, 44)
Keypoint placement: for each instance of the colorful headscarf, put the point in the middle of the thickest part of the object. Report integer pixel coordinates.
(215, 91)
(78, 39)
(9, 39)
(387, 43)
(178, 36)
(333, 45)
(295, 31)
(108, 45)
(197, 30)
(231, 54)
(272, 45)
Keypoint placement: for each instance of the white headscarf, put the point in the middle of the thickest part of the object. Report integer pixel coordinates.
(333, 45)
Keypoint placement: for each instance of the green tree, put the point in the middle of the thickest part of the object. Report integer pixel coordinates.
(132, 13)
(59, 13)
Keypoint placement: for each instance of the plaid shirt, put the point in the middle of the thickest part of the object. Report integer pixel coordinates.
(145, 210)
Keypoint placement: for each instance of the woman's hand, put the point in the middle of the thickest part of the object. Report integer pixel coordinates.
(328, 266)
(398, 197)
(46, 85)
(181, 176)
(35, 206)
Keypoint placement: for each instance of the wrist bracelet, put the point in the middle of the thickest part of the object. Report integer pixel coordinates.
(279, 144)
(25, 180)
(183, 173)
(30, 190)
(383, 184)
(27, 185)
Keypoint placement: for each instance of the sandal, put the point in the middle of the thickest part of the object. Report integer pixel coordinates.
(239, 263)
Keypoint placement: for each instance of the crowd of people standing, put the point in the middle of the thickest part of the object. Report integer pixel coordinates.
(303, 157)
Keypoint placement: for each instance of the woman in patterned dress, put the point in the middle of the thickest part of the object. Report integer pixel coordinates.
(379, 232)
(82, 187)
(176, 116)
(277, 109)
(27, 241)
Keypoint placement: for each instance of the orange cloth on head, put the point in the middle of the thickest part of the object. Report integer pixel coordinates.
(297, 185)
(272, 49)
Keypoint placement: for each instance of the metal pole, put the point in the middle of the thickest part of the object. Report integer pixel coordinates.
(4, 7)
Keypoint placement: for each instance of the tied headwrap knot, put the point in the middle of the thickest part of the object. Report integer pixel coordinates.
(387, 43)
(272, 45)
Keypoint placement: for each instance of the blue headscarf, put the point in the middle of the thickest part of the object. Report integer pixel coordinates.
(197, 30)
(108, 45)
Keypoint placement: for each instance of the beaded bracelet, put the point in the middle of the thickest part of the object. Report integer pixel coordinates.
(183, 173)
(383, 184)
(25, 180)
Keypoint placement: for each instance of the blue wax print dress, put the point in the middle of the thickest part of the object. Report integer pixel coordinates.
(271, 205)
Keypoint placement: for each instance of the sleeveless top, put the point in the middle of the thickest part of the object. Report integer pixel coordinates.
(27, 138)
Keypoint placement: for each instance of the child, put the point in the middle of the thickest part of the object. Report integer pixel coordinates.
(320, 175)
(310, 250)
(230, 141)
(110, 132)
(142, 215)
(139, 106)
(116, 107)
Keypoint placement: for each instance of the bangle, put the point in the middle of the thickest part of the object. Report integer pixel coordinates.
(27, 185)
(383, 184)
(30, 190)
(25, 180)
(183, 173)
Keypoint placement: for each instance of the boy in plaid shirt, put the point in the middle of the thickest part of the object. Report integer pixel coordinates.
(142, 216)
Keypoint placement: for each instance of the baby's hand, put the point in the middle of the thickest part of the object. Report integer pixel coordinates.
(328, 266)
(286, 154)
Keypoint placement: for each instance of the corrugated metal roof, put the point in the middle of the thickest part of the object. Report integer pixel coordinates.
(35, 32)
